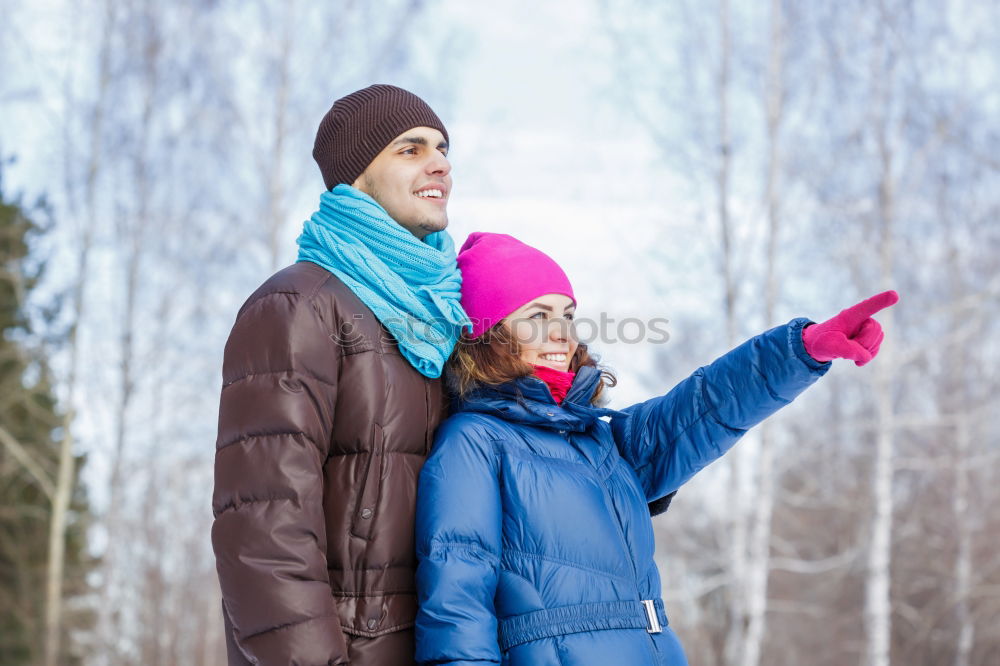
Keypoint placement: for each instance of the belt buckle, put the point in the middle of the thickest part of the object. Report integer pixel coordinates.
(652, 621)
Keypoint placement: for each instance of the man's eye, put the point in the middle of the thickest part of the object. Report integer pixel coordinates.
(409, 151)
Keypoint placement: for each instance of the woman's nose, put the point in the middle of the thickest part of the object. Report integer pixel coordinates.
(558, 330)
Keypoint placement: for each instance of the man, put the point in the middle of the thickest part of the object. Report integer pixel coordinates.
(331, 394)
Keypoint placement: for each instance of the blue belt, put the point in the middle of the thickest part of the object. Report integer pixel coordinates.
(520, 629)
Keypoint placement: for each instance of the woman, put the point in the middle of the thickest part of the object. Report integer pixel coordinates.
(533, 529)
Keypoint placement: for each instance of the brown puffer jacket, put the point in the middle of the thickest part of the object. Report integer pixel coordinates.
(323, 429)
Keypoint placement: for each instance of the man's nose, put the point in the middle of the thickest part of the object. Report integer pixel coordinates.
(439, 165)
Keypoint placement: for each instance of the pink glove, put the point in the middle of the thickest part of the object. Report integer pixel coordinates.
(851, 334)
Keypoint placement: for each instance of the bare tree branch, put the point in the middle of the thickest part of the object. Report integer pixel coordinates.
(32, 466)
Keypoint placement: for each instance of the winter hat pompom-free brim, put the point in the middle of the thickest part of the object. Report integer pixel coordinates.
(501, 274)
(360, 125)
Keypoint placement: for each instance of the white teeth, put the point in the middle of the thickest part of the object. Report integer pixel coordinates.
(553, 357)
(437, 194)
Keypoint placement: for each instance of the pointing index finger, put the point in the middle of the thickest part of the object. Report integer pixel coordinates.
(866, 308)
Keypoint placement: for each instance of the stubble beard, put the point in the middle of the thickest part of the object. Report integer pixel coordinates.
(431, 226)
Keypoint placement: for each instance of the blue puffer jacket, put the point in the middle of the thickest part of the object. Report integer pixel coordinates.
(534, 539)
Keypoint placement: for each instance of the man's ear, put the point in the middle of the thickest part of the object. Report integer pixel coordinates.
(359, 183)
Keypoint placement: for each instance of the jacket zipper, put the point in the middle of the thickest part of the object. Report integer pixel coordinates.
(610, 503)
(368, 499)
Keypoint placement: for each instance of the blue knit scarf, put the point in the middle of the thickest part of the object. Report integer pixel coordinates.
(412, 286)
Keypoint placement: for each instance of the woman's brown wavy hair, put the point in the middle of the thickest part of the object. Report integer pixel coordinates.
(494, 358)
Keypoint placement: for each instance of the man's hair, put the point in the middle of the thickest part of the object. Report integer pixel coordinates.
(494, 358)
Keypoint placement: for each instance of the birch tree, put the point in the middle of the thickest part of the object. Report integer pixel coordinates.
(133, 225)
(758, 566)
(878, 606)
(86, 213)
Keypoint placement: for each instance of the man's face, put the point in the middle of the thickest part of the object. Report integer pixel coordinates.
(411, 179)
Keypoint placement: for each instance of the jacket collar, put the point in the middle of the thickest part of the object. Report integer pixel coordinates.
(527, 400)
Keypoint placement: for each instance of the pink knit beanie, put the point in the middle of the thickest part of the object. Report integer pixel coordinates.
(500, 274)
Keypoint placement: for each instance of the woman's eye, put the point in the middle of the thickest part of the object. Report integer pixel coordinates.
(569, 315)
(537, 315)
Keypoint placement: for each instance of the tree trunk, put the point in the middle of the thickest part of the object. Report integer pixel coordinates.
(740, 459)
(763, 500)
(878, 605)
(133, 227)
(274, 175)
(963, 558)
(66, 474)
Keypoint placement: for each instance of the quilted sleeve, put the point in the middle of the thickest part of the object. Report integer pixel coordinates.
(458, 534)
(269, 535)
(668, 439)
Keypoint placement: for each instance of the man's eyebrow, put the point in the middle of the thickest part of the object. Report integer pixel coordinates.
(418, 141)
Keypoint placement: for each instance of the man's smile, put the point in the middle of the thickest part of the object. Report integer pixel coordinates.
(435, 192)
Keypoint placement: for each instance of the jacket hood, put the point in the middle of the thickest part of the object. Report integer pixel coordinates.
(528, 401)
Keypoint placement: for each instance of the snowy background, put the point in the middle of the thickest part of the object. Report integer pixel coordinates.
(725, 165)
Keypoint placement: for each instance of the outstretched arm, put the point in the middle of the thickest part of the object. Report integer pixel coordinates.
(669, 439)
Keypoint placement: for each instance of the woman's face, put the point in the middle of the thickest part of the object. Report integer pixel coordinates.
(544, 330)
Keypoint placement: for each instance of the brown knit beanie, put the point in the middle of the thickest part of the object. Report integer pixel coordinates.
(358, 126)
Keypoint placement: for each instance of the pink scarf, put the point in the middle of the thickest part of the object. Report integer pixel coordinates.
(557, 381)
